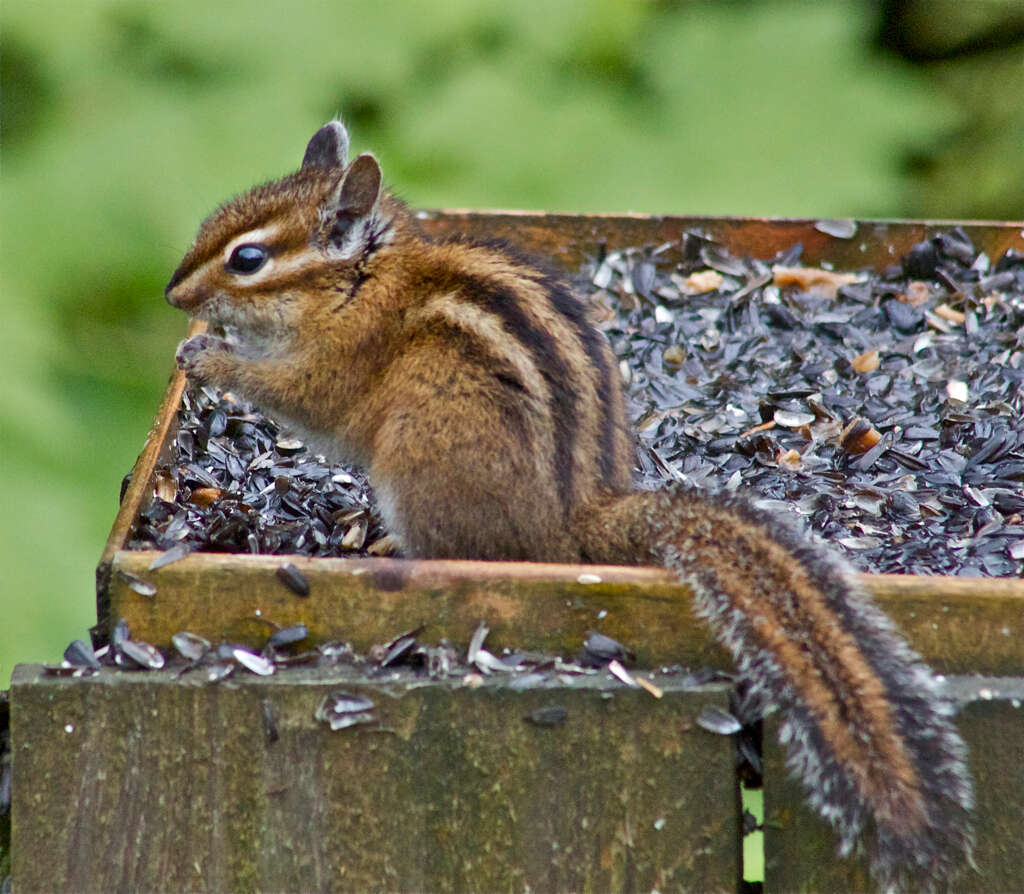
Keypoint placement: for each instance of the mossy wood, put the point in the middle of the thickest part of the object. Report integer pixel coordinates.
(138, 782)
(800, 846)
(967, 626)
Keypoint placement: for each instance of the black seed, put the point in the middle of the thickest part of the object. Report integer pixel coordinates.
(921, 261)
(398, 651)
(80, 654)
(599, 649)
(288, 636)
(293, 579)
(130, 653)
(549, 715)
(903, 315)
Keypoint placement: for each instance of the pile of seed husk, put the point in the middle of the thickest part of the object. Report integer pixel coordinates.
(236, 482)
(886, 410)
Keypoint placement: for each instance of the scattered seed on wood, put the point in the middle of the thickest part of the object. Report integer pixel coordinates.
(620, 673)
(344, 709)
(143, 588)
(398, 651)
(80, 654)
(549, 715)
(718, 720)
(257, 664)
(190, 646)
(599, 649)
(221, 670)
(130, 653)
(171, 555)
(479, 657)
(287, 636)
(119, 634)
(840, 229)
(646, 684)
(293, 579)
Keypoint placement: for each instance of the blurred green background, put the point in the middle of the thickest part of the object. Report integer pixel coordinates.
(124, 123)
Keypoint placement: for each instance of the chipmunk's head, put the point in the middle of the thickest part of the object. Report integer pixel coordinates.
(260, 259)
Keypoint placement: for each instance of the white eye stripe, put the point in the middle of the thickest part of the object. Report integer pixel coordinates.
(259, 236)
(217, 263)
(283, 266)
(276, 266)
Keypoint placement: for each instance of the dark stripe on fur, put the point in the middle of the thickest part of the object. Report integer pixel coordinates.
(565, 301)
(596, 349)
(509, 389)
(547, 356)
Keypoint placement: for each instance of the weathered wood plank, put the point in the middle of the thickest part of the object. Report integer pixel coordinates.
(957, 626)
(131, 782)
(801, 848)
(526, 605)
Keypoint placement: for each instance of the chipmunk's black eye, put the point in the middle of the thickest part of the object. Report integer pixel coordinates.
(247, 258)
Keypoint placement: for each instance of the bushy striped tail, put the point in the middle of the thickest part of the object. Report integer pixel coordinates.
(865, 727)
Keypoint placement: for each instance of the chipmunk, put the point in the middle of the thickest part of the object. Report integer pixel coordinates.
(491, 420)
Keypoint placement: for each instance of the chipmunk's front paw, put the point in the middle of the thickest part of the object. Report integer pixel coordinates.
(199, 355)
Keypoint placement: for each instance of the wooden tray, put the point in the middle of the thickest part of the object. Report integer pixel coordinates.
(959, 625)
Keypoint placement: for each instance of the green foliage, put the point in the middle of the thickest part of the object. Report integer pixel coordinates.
(123, 123)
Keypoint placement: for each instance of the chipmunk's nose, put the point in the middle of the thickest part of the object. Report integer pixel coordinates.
(174, 297)
(177, 295)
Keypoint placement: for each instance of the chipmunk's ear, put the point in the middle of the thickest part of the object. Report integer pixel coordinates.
(348, 217)
(360, 187)
(328, 148)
